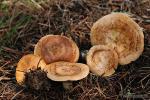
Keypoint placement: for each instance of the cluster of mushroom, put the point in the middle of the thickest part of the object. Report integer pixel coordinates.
(57, 56)
(116, 39)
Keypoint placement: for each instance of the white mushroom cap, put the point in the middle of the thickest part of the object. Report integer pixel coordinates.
(53, 48)
(102, 60)
(122, 33)
(66, 71)
(27, 63)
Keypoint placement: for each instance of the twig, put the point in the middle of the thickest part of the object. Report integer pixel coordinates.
(12, 51)
(16, 94)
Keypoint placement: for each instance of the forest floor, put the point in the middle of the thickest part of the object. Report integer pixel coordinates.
(23, 23)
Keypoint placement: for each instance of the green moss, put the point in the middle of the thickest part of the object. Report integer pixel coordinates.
(9, 36)
(3, 7)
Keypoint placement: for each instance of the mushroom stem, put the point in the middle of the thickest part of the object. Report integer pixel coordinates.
(67, 85)
(83, 55)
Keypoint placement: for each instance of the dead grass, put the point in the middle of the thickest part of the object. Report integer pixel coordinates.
(22, 25)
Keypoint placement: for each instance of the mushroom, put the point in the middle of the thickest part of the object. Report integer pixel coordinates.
(27, 63)
(53, 48)
(102, 60)
(66, 72)
(120, 32)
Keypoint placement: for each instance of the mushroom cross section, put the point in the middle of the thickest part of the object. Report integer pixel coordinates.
(102, 60)
(53, 48)
(122, 33)
(66, 71)
(27, 63)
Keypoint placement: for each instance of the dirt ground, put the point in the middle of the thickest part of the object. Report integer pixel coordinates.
(23, 24)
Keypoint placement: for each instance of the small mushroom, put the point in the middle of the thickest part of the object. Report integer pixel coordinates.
(102, 60)
(53, 48)
(120, 32)
(66, 71)
(27, 63)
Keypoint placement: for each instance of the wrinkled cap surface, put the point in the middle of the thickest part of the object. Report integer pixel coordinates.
(66, 71)
(54, 48)
(120, 32)
(102, 60)
(27, 63)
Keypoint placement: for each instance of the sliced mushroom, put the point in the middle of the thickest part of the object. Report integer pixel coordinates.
(53, 48)
(122, 33)
(102, 60)
(66, 71)
(27, 63)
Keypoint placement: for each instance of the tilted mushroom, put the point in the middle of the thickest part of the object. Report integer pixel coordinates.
(102, 60)
(27, 63)
(54, 48)
(119, 31)
(66, 71)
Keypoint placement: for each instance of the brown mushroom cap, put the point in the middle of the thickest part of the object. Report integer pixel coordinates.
(66, 71)
(54, 48)
(122, 33)
(102, 60)
(27, 63)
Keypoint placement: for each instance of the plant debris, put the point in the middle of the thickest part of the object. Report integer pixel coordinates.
(37, 80)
